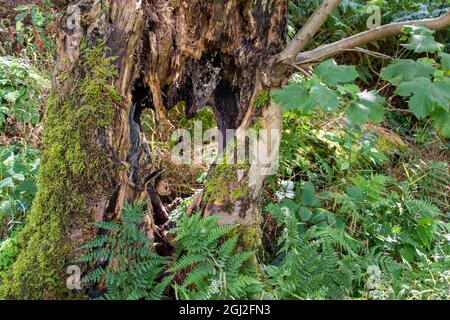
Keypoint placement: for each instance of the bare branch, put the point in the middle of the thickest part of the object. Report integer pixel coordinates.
(307, 32)
(329, 50)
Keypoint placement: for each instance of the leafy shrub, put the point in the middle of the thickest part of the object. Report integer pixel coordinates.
(423, 83)
(206, 262)
(18, 174)
(21, 91)
(31, 34)
(329, 239)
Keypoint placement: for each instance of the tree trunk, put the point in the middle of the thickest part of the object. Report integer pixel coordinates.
(122, 57)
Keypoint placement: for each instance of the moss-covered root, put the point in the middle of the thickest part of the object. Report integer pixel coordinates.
(75, 171)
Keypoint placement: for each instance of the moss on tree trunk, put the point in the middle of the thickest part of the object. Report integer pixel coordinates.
(75, 173)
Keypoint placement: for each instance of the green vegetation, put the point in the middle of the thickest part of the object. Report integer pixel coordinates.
(21, 91)
(359, 209)
(132, 268)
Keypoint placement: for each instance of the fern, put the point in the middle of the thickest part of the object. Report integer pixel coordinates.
(310, 268)
(133, 270)
(206, 255)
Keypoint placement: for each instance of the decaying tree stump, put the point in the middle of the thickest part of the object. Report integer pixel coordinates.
(115, 58)
(118, 57)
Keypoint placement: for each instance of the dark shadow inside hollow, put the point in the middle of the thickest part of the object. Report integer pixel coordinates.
(225, 103)
(212, 81)
(142, 99)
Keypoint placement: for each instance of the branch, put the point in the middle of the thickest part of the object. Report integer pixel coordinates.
(307, 32)
(329, 50)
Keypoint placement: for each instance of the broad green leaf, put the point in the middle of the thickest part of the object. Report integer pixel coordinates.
(441, 120)
(425, 95)
(350, 88)
(318, 216)
(291, 97)
(305, 214)
(288, 203)
(405, 70)
(333, 74)
(355, 193)
(408, 253)
(368, 107)
(445, 60)
(420, 43)
(327, 99)
(307, 195)
(27, 186)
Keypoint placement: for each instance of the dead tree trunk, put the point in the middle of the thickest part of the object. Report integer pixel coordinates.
(116, 58)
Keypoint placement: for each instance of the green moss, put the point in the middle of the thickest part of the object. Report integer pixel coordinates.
(390, 145)
(223, 186)
(218, 184)
(257, 125)
(239, 193)
(249, 239)
(262, 99)
(74, 170)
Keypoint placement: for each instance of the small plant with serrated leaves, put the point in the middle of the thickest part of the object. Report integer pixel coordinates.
(208, 260)
(126, 260)
(423, 83)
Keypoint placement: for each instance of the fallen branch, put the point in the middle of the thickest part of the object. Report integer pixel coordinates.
(382, 32)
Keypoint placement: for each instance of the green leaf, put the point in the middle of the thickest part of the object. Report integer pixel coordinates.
(305, 214)
(293, 96)
(425, 95)
(327, 99)
(307, 195)
(420, 43)
(405, 70)
(355, 193)
(408, 253)
(441, 120)
(28, 187)
(349, 88)
(333, 74)
(12, 96)
(368, 107)
(445, 60)
(288, 203)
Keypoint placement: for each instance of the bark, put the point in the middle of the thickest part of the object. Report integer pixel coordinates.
(161, 52)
